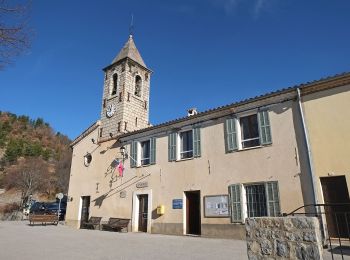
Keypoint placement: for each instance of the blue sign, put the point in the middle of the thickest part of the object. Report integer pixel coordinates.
(177, 204)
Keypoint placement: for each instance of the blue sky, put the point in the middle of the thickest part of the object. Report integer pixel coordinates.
(204, 53)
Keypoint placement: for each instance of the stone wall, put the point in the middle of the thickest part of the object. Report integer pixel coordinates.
(284, 238)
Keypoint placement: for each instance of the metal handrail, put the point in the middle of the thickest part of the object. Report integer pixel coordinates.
(315, 205)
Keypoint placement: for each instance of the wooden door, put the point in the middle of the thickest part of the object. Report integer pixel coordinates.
(143, 212)
(193, 216)
(85, 209)
(335, 190)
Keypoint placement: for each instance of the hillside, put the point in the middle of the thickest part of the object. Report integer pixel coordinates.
(34, 159)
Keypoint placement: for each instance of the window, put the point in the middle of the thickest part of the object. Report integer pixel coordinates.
(115, 84)
(247, 131)
(143, 152)
(87, 159)
(254, 200)
(184, 144)
(138, 85)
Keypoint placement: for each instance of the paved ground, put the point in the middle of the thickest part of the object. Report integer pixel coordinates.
(20, 241)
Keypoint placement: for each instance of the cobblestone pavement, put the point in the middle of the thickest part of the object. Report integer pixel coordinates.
(18, 240)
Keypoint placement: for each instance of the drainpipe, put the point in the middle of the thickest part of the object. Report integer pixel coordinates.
(323, 226)
(309, 154)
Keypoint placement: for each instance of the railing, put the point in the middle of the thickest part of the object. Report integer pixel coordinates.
(334, 221)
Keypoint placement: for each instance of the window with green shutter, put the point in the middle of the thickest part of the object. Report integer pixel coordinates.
(133, 154)
(196, 142)
(273, 201)
(264, 127)
(172, 147)
(153, 150)
(230, 135)
(235, 193)
(261, 199)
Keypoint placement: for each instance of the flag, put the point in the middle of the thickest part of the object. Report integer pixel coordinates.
(120, 169)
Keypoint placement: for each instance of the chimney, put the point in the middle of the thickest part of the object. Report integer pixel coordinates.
(192, 111)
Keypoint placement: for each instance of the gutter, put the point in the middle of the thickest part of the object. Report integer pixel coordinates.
(309, 153)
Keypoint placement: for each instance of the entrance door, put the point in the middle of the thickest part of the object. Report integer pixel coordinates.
(193, 213)
(85, 209)
(335, 190)
(143, 212)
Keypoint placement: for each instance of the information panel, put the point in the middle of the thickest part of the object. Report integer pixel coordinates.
(216, 206)
(177, 203)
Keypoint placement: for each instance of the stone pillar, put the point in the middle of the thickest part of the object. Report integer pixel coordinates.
(284, 238)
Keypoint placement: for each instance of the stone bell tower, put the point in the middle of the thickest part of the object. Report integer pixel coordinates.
(125, 102)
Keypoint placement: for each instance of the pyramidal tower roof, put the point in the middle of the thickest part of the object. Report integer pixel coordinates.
(130, 51)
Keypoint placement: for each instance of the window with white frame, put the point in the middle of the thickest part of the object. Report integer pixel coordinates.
(184, 144)
(254, 200)
(247, 131)
(143, 152)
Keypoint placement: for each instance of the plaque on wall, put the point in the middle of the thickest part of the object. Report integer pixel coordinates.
(216, 206)
(142, 184)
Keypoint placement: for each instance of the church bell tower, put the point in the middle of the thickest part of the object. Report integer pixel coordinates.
(125, 102)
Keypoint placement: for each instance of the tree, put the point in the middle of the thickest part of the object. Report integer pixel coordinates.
(63, 171)
(14, 31)
(27, 177)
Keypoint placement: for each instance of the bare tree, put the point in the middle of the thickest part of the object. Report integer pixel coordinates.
(27, 177)
(14, 31)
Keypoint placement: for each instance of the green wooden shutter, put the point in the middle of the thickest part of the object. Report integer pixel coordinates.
(172, 147)
(152, 142)
(230, 135)
(196, 142)
(235, 192)
(264, 127)
(133, 153)
(273, 201)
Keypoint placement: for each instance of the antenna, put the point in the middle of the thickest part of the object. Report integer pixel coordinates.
(131, 27)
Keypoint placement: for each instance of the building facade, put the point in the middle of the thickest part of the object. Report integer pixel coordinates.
(202, 174)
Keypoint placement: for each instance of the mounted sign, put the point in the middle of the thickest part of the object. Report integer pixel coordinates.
(216, 206)
(177, 203)
(142, 184)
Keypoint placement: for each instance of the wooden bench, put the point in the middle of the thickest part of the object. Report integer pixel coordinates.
(116, 224)
(43, 219)
(92, 223)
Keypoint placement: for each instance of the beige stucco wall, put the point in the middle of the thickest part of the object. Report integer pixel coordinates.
(328, 124)
(168, 180)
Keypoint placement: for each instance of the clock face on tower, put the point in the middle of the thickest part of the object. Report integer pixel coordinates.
(110, 110)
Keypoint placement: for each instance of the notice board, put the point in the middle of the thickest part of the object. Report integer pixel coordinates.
(216, 206)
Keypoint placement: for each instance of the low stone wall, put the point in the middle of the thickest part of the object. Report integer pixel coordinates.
(284, 238)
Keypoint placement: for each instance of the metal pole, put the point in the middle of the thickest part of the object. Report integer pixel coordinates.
(59, 210)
